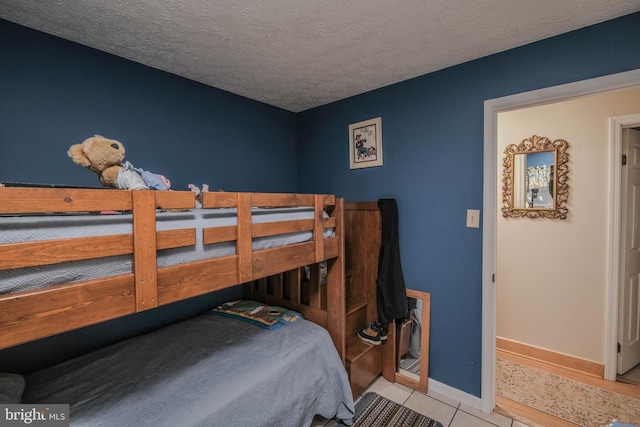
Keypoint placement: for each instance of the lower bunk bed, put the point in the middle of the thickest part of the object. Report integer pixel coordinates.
(206, 368)
(205, 371)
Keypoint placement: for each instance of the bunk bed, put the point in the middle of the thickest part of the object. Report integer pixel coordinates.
(154, 248)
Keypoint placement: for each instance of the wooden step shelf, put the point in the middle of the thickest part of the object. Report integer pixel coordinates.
(354, 305)
(364, 363)
(362, 247)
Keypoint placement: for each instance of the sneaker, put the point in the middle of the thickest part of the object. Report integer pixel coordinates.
(369, 335)
(377, 325)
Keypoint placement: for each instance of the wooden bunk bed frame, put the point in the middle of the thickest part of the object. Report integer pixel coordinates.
(30, 315)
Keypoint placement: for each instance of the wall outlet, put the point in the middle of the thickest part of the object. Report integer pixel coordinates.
(473, 218)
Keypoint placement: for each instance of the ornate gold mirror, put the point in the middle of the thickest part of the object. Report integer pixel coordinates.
(534, 179)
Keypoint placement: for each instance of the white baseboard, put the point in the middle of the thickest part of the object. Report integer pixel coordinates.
(455, 394)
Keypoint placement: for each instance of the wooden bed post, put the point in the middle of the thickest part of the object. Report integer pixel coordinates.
(318, 229)
(336, 299)
(144, 242)
(244, 245)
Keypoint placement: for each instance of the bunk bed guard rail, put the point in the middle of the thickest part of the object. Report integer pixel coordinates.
(33, 314)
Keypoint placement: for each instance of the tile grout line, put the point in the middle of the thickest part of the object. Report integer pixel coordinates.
(408, 397)
(459, 409)
(454, 416)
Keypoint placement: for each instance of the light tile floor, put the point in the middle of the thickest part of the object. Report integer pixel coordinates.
(449, 412)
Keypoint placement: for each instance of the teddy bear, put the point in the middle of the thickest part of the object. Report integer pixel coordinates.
(105, 157)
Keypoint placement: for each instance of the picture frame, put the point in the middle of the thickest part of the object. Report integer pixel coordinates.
(365, 144)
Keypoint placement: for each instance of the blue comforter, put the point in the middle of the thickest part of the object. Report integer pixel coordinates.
(206, 371)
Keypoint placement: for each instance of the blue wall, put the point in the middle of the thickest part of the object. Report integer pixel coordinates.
(55, 93)
(432, 132)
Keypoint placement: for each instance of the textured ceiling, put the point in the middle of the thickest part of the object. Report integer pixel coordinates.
(299, 54)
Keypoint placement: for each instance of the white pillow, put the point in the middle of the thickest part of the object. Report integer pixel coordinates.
(11, 388)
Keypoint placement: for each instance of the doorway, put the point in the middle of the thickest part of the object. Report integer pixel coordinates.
(492, 108)
(625, 321)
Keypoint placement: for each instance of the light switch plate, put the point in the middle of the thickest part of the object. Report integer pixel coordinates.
(473, 218)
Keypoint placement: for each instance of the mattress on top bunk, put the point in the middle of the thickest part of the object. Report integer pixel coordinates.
(209, 370)
(15, 229)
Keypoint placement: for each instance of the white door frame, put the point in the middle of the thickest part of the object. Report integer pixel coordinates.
(616, 124)
(492, 107)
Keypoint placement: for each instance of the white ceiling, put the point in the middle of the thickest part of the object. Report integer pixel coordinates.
(299, 54)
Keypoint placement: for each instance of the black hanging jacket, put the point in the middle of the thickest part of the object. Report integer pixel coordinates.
(391, 291)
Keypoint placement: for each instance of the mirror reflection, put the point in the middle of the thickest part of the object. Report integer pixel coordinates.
(409, 332)
(411, 352)
(534, 179)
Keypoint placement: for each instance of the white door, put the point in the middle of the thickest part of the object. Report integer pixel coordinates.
(629, 305)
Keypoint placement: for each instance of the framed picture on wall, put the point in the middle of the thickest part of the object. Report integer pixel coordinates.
(365, 143)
